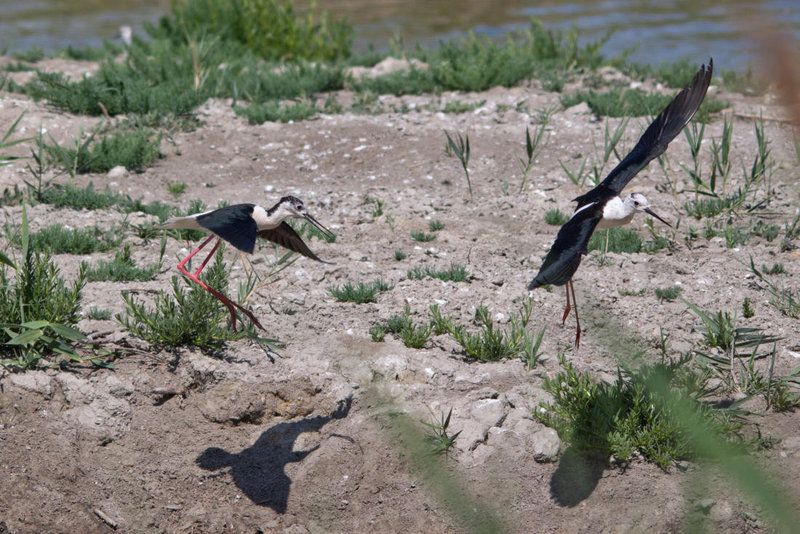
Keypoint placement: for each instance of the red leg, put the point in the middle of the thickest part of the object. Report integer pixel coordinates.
(568, 308)
(219, 296)
(577, 320)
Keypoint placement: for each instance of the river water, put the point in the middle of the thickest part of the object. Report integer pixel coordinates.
(662, 30)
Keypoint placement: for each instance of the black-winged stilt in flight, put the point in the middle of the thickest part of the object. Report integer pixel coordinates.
(239, 225)
(603, 208)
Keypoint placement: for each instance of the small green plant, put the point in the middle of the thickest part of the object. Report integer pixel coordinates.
(632, 292)
(747, 308)
(5, 143)
(38, 309)
(377, 332)
(56, 239)
(187, 317)
(378, 211)
(578, 177)
(361, 293)
(422, 237)
(441, 325)
(532, 146)
(493, 343)
(436, 225)
(667, 293)
(399, 255)
(275, 111)
(555, 217)
(412, 336)
(783, 299)
(777, 268)
(98, 314)
(460, 147)
(620, 240)
(530, 348)
(441, 442)
(634, 414)
(132, 150)
(456, 273)
(121, 269)
(176, 189)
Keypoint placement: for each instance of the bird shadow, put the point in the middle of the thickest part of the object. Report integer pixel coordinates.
(259, 470)
(576, 476)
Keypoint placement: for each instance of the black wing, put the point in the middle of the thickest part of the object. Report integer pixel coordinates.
(565, 255)
(655, 139)
(234, 224)
(285, 236)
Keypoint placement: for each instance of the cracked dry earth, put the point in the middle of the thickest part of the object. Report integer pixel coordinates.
(253, 444)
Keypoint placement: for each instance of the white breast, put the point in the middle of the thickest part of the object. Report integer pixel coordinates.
(616, 213)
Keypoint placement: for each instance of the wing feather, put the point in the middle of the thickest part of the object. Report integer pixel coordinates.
(285, 236)
(653, 142)
(571, 243)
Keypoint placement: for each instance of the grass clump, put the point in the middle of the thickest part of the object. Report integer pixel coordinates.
(399, 255)
(436, 225)
(422, 237)
(635, 414)
(456, 273)
(275, 111)
(361, 293)
(619, 240)
(38, 309)
(555, 217)
(402, 326)
(132, 150)
(121, 269)
(187, 317)
(56, 239)
(270, 29)
(492, 343)
(667, 293)
(438, 437)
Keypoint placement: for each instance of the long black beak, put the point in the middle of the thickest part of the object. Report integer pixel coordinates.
(653, 214)
(329, 236)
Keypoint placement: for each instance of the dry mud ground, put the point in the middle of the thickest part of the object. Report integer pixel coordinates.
(258, 445)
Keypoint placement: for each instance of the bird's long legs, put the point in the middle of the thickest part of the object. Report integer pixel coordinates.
(570, 286)
(219, 296)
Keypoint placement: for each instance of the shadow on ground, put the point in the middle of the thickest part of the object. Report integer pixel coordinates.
(259, 470)
(576, 477)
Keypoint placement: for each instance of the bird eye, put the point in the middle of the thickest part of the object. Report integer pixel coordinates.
(299, 207)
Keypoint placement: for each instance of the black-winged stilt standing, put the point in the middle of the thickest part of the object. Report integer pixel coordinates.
(239, 225)
(603, 208)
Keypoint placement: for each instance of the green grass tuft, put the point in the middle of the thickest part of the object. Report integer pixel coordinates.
(555, 217)
(121, 269)
(619, 240)
(56, 239)
(456, 273)
(188, 317)
(361, 293)
(668, 293)
(132, 150)
(631, 415)
(423, 237)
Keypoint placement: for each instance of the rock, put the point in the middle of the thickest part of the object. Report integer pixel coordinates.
(579, 109)
(117, 387)
(104, 419)
(545, 445)
(117, 173)
(35, 381)
(791, 444)
(489, 412)
(387, 66)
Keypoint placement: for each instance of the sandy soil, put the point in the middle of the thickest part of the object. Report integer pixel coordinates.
(254, 444)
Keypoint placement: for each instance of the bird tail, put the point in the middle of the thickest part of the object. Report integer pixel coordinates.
(184, 223)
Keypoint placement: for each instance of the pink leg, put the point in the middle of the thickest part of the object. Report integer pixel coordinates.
(577, 321)
(219, 296)
(568, 307)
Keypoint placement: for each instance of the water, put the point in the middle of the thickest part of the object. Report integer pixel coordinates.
(662, 30)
